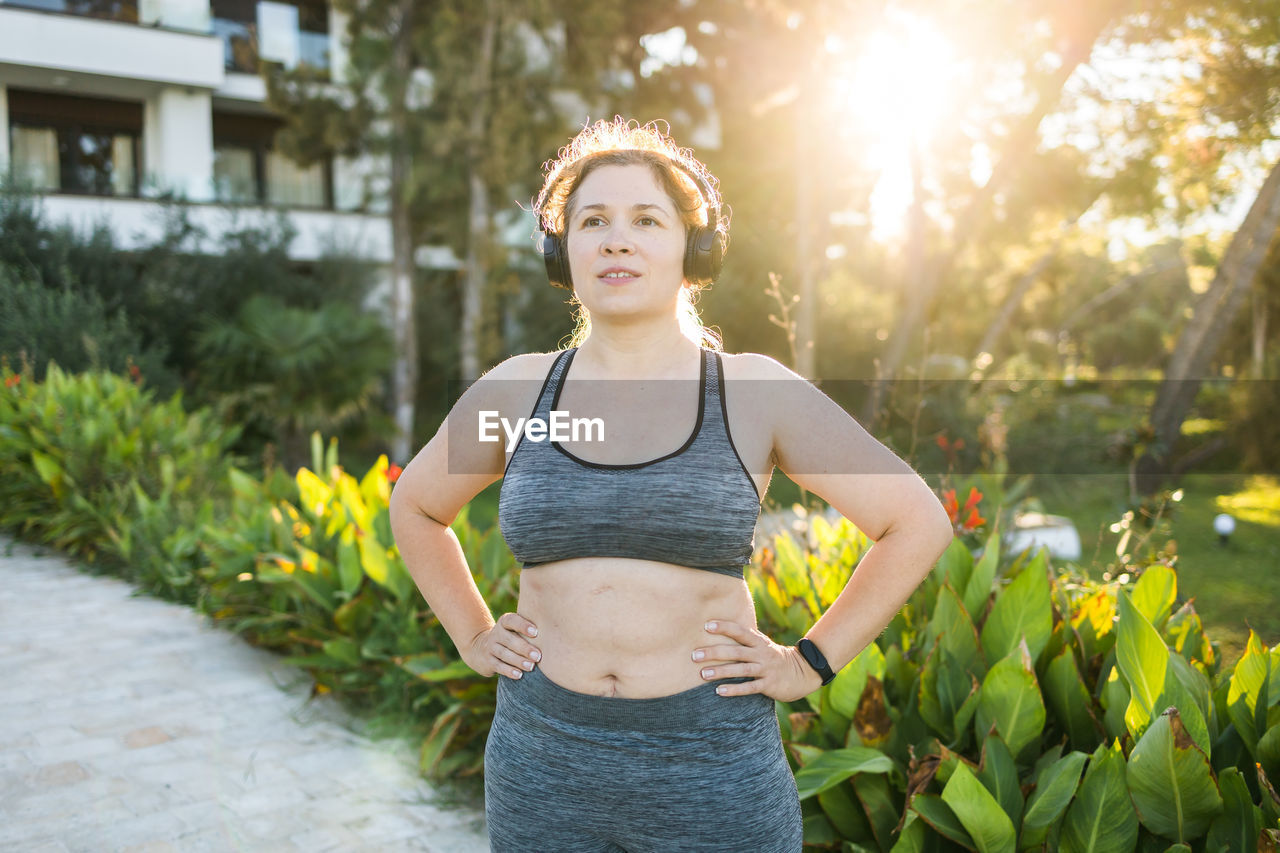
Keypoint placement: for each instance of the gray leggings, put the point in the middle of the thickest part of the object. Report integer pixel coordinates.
(695, 771)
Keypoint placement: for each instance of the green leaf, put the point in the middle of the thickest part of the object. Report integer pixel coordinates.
(1054, 791)
(1178, 696)
(999, 775)
(1171, 782)
(834, 766)
(1142, 658)
(979, 813)
(955, 565)
(882, 812)
(846, 689)
(1010, 699)
(1023, 610)
(1070, 700)
(941, 818)
(845, 813)
(978, 587)
(350, 572)
(952, 627)
(1236, 829)
(1101, 819)
(1155, 592)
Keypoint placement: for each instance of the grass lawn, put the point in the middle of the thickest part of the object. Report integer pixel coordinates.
(1234, 587)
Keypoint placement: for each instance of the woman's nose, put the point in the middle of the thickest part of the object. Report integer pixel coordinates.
(616, 241)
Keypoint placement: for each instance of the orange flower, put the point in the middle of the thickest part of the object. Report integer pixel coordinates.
(393, 473)
(135, 373)
(949, 501)
(942, 442)
(974, 520)
(13, 380)
(974, 496)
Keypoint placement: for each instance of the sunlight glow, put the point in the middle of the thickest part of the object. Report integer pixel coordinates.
(892, 87)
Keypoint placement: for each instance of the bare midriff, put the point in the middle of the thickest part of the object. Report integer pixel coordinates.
(627, 628)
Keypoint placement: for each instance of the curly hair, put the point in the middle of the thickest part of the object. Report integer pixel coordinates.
(623, 142)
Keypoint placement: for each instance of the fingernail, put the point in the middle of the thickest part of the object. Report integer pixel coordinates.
(711, 626)
(536, 655)
(707, 673)
(699, 655)
(533, 632)
(720, 690)
(528, 665)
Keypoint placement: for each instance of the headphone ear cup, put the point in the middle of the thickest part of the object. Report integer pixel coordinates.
(556, 260)
(703, 256)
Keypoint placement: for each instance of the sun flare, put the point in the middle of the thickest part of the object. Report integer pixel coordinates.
(891, 87)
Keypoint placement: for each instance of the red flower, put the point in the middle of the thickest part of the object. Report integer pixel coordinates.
(974, 520)
(949, 501)
(974, 496)
(393, 473)
(942, 442)
(135, 373)
(13, 380)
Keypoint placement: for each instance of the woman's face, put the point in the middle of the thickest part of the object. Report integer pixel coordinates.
(625, 243)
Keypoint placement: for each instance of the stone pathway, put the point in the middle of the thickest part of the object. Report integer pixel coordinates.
(129, 724)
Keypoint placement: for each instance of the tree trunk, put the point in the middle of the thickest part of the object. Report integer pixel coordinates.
(404, 376)
(476, 267)
(1259, 334)
(1202, 337)
(806, 310)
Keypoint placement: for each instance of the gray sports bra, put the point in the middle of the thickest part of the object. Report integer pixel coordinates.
(696, 506)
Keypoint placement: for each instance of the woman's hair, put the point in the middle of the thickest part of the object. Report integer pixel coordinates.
(628, 143)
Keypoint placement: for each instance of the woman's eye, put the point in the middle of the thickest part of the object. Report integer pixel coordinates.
(647, 220)
(591, 221)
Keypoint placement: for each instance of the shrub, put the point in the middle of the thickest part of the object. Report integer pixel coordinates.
(95, 465)
(972, 719)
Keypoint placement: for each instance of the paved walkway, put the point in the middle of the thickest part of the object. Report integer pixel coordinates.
(129, 724)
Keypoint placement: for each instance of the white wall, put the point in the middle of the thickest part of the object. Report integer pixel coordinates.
(178, 144)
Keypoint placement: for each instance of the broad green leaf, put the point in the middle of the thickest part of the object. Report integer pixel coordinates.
(978, 586)
(1178, 696)
(1268, 751)
(999, 775)
(1155, 592)
(1142, 658)
(954, 566)
(1070, 701)
(943, 689)
(845, 813)
(1101, 819)
(343, 649)
(938, 815)
(979, 813)
(1023, 610)
(1094, 623)
(836, 765)
(1114, 698)
(1011, 700)
(912, 837)
(846, 689)
(350, 572)
(952, 627)
(1236, 829)
(1170, 781)
(1054, 791)
(882, 813)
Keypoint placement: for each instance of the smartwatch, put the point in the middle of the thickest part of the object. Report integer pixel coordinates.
(816, 659)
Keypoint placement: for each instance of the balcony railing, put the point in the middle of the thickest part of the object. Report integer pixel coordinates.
(241, 51)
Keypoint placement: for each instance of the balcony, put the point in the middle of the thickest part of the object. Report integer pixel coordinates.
(100, 39)
(294, 34)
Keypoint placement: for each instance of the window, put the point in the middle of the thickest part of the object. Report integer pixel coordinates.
(74, 145)
(248, 170)
(112, 10)
(294, 33)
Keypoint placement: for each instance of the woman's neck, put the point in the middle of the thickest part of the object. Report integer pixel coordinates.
(634, 353)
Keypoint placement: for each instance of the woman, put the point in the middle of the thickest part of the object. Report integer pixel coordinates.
(635, 709)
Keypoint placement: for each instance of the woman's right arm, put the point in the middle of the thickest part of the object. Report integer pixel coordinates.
(446, 474)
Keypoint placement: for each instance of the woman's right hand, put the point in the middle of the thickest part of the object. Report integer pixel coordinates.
(505, 648)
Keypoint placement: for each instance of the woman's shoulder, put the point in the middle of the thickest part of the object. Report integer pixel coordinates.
(529, 365)
(754, 365)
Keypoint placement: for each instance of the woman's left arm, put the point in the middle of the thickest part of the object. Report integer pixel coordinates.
(825, 451)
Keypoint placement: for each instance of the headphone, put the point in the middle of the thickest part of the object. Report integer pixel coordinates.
(703, 248)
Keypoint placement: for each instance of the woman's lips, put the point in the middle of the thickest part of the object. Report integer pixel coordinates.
(618, 276)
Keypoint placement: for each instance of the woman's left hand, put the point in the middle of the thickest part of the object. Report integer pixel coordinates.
(780, 672)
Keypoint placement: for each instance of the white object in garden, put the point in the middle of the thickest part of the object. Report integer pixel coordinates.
(1224, 525)
(1036, 529)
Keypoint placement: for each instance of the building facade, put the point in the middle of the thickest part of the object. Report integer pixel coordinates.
(108, 106)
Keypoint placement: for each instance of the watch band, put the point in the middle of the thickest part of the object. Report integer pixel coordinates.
(816, 659)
